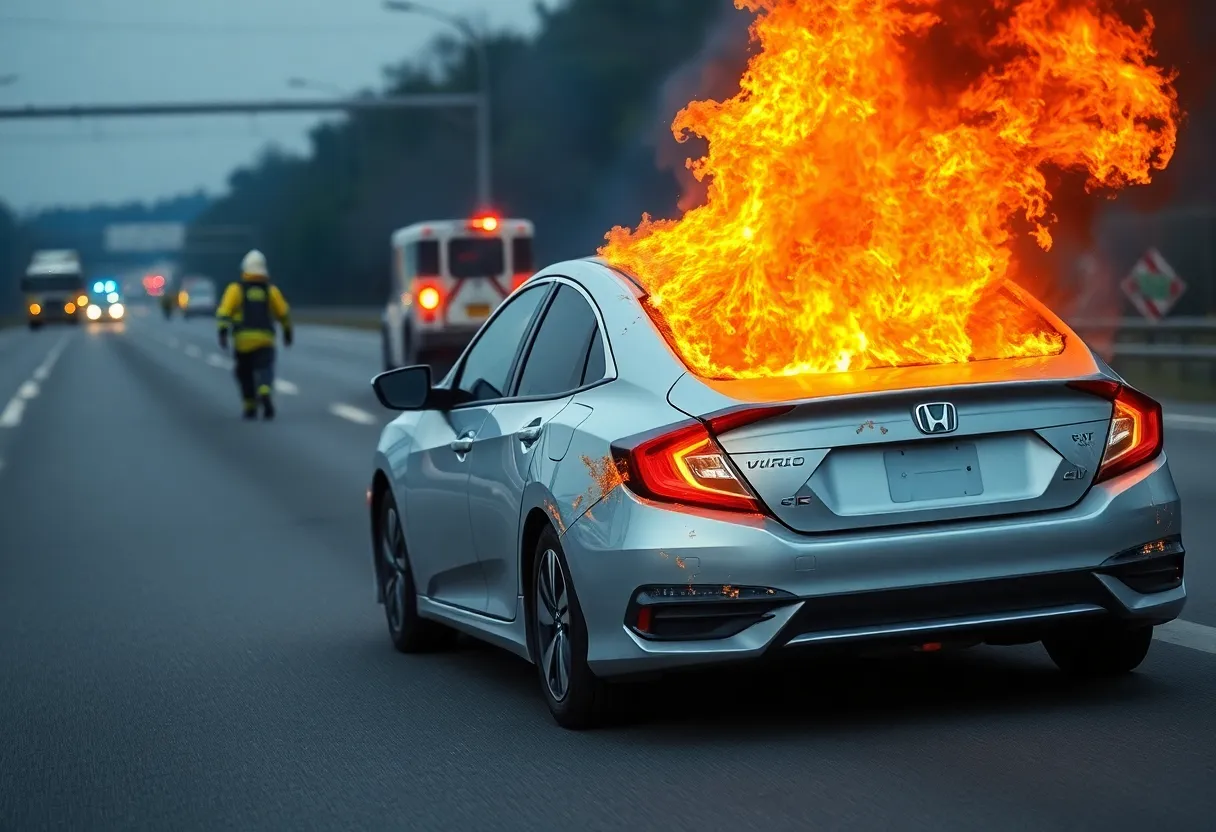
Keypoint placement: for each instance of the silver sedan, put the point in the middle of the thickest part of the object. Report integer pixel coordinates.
(572, 493)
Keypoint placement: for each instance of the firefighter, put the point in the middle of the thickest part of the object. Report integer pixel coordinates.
(249, 309)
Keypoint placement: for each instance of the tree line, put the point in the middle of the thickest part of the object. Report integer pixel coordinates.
(577, 108)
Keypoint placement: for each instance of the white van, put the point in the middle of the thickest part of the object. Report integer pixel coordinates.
(448, 276)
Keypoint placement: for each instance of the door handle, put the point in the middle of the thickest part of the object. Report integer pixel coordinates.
(529, 433)
(464, 444)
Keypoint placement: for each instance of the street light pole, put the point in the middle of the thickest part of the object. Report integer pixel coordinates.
(484, 139)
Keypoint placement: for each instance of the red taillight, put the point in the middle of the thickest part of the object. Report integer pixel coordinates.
(429, 298)
(1136, 428)
(688, 467)
(644, 620)
(519, 280)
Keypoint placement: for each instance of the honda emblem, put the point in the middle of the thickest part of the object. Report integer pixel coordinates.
(935, 417)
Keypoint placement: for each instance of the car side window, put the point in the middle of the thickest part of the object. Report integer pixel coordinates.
(595, 366)
(487, 368)
(558, 356)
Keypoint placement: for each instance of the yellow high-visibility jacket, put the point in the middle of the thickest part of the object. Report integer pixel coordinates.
(249, 335)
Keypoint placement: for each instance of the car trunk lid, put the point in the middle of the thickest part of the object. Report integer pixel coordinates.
(895, 447)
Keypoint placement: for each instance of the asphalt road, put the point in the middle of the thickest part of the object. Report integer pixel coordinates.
(189, 640)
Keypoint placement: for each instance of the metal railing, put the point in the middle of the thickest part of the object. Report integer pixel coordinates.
(1173, 339)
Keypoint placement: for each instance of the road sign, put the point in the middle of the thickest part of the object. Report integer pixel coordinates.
(148, 237)
(1153, 286)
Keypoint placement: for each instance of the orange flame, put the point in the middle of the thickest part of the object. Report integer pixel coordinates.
(857, 217)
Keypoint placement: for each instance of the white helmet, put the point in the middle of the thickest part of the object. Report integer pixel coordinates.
(255, 264)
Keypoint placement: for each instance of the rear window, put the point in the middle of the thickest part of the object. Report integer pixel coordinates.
(521, 256)
(998, 318)
(477, 257)
(52, 283)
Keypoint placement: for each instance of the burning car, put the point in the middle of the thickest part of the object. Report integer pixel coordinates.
(818, 410)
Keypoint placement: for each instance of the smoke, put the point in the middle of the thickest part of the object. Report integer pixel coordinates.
(712, 74)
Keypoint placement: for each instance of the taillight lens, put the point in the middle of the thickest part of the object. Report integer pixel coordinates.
(1136, 428)
(688, 467)
(429, 298)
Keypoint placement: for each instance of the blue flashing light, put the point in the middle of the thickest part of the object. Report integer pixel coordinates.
(99, 287)
(111, 286)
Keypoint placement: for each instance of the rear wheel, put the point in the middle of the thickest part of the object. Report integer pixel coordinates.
(1101, 650)
(386, 358)
(35, 325)
(576, 697)
(410, 632)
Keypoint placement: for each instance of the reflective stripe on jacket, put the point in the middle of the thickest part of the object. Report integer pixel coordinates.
(250, 308)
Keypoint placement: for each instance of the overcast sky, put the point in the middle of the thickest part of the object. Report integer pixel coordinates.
(120, 51)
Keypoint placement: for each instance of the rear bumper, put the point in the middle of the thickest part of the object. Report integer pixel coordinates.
(762, 591)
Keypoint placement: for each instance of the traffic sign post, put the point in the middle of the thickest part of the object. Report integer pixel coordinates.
(1153, 286)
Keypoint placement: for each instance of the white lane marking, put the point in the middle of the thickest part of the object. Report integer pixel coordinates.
(43, 370)
(11, 416)
(352, 414)
(193, 351)
(1187, 634)
(219, 361)
(286, 387)
(1188, 422)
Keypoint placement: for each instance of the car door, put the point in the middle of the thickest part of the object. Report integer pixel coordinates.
(437, 505)
(503, 459)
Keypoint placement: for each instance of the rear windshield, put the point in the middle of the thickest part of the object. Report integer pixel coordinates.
(52, 283)
(477, 257)
(999, 318)
(521, 255)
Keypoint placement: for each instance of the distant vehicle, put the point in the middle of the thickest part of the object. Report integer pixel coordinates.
(572, 492)
(54, 288)
(448, 277)
(105, 301)
(197, 296)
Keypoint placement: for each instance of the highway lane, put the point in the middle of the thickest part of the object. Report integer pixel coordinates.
(188, 639)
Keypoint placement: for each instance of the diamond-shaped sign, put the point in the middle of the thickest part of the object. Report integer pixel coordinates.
(1153, 286)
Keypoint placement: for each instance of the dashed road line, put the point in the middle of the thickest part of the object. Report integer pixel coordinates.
(13, 412)
(193, 351)
(1187, 634)
(286, 387)
(10, 417)
(352, 414)
(1189, 422)
(219, 361)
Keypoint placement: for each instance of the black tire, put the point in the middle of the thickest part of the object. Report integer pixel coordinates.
(1097, 651)
(409, 632)
(584, 702)
(385, 358)
(35, 326)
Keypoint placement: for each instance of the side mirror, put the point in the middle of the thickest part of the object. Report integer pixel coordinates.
(406, 388)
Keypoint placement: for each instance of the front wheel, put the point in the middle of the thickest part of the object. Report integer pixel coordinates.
(35, 326)
(410, 632)
(576, 697)
(1103, 650)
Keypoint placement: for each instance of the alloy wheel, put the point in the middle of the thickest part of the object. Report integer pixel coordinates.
(553, 625)
(392, 552)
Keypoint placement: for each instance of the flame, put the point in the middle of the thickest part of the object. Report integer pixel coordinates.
(861, 216)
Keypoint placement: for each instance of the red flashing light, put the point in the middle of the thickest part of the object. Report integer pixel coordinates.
(486, 222)
(429, 297)
(519, 280)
